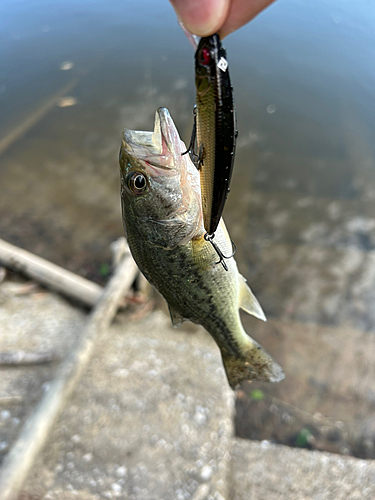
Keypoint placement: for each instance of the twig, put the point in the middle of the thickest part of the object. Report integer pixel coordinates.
(27, 289)
(49, 274)
(37, 428)
(24, 358)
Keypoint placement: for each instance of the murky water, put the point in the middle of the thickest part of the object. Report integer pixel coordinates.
(302, 204)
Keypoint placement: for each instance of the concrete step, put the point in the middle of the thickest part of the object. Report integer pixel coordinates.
(152, 418)
(264, 471)
(31, 320)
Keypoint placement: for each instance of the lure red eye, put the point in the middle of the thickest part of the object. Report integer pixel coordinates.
(205, 55)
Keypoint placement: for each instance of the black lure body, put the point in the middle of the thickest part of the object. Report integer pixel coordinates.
(216, 131)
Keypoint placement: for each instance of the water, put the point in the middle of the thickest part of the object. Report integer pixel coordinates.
(301, 208)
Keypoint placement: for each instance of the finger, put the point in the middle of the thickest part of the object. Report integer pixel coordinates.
(202, 17)
(240, 13)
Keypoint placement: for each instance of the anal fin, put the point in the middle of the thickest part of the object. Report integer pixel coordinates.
(176, 318)
(248, 301)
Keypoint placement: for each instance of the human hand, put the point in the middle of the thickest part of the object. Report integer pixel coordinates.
(205, 17)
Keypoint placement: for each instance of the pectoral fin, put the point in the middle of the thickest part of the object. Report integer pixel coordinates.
(176, 318)
(225, 230)
(248, 301)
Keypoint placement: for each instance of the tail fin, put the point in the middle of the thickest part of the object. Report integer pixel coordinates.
(254, 364)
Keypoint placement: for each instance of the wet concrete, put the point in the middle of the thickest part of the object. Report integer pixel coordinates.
(321, 252)
(327, 399)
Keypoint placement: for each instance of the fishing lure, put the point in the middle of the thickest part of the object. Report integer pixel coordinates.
(214, 130)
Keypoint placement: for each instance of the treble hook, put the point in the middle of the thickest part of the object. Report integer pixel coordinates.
(195, 157)
(221, 261)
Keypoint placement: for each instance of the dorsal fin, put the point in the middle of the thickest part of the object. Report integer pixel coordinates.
(248, 301)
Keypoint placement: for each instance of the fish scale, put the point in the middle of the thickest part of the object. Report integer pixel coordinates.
(190, 293)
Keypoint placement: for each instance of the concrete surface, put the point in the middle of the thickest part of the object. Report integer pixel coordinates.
(31, 319)
(141, 425)
(152, 418)
(264, 471)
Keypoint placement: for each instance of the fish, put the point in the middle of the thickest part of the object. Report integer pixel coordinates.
(163, 222)
(216, 130)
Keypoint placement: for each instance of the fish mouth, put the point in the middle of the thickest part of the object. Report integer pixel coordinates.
(160, 147)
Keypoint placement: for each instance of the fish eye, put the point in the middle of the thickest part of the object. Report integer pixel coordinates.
(205, 56)
(137, 183)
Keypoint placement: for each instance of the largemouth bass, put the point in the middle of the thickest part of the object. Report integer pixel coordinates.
(163, 221)
(215, 128)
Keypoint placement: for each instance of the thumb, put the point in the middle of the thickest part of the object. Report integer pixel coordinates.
(201, 17)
